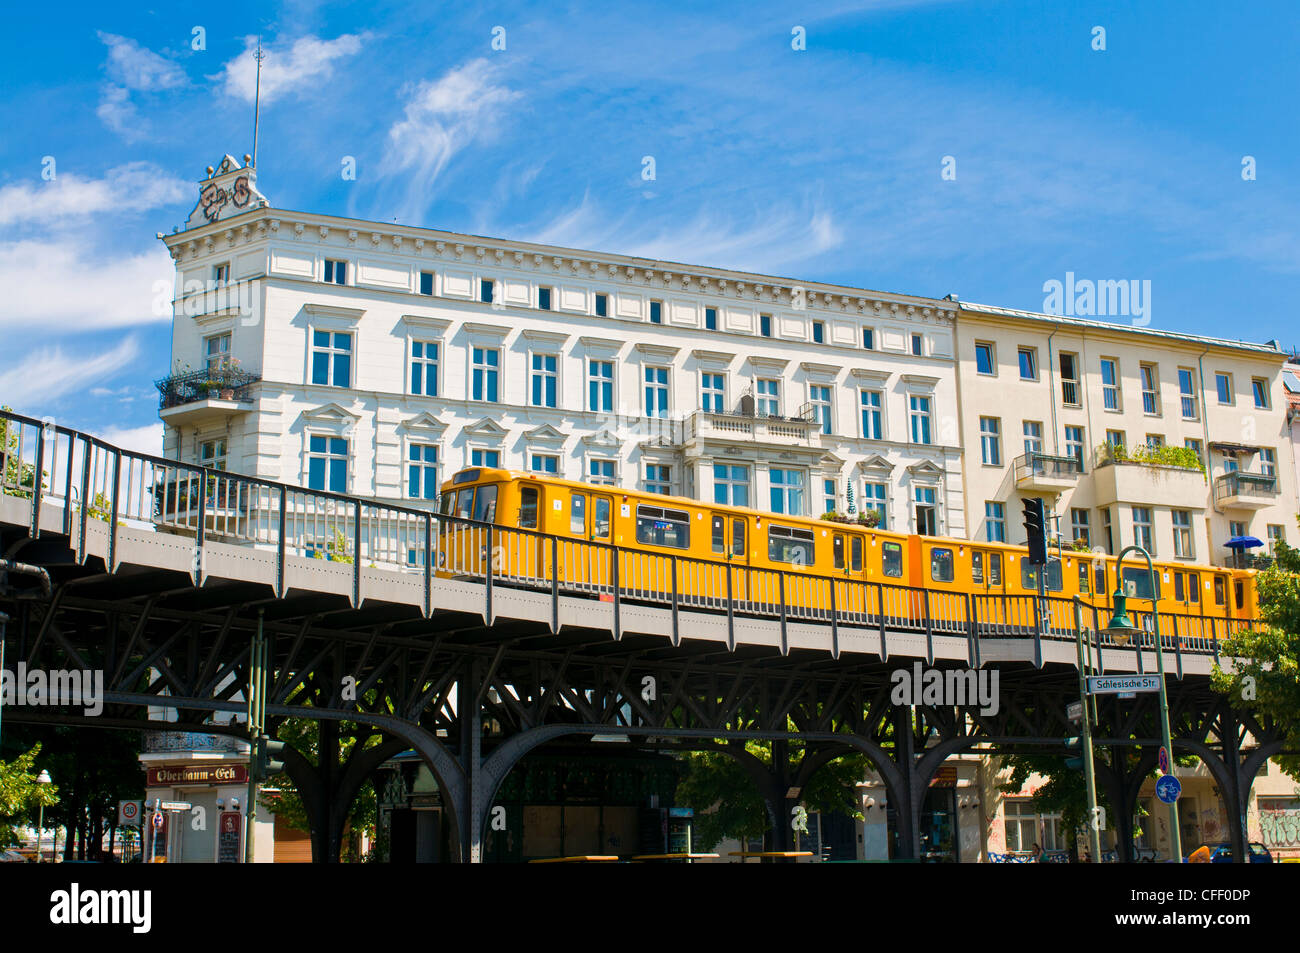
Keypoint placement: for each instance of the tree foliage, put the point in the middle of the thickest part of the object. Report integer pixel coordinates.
(21, 795)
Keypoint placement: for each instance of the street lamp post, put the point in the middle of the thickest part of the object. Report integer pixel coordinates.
(1090, 778)
(1123, 627)
(44, 778)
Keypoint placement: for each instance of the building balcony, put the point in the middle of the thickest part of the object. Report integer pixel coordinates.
(1047, 473)
(1149, 476)
(753, 429)
(1241, 490)
(187, 742)
(196, 398)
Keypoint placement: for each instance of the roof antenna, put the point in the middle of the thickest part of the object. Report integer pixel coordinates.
(257, 96)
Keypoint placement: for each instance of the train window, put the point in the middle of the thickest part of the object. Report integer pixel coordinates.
(485, 504)
(977, 567)
(855, 553)
(1194, 587)
(465, 503)
(941, 565)
(466, 476)
(719, 534)
(448, 503)
(528, 507)
(656, 526)
(578, 514)
(785, 544)
(1083, 577)
(738, 538)
(891, 559)
(837, 550)
(1179, 595)
(600, 521)
(1220, 591)
(1240, 589)
(1099, 578)
(1029, 576)
(995, 569)
(1137, 582)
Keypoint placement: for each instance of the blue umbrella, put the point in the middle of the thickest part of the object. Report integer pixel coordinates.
(1243, 542)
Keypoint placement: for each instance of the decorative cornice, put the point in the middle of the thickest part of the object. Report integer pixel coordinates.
(316, 309)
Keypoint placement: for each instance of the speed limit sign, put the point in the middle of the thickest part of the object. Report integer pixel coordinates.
(128, 813)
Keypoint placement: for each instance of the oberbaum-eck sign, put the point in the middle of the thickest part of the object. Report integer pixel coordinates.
(198, 774)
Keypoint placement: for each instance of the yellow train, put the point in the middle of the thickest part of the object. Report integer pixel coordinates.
(657, 547)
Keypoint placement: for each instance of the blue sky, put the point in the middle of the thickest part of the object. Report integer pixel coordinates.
(822, 163)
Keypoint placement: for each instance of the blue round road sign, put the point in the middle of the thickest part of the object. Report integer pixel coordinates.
(1168, 790)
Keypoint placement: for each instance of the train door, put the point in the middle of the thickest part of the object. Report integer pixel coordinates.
(523, 554)
(591, 521)
(987, 585)
(738, 557)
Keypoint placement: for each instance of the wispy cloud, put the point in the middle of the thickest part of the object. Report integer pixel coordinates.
(137, 185)
(291, 67)
(146, 439)
(49, 373)
(132, 67)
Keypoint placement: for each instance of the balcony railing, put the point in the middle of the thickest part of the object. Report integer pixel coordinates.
(1255, 486)
(1047, 465)
(1182, 458)
(219, 382)
(1070, 393)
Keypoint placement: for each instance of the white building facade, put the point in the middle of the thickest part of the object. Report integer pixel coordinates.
(377, 360)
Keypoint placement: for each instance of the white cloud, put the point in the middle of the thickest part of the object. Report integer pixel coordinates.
(146, 439)
(118, 113)
(305, 63)
(50, 372)
(58, 287)
(135, 186)
(135, 67)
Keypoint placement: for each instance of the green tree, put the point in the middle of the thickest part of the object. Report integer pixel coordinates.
(1266, 673)
(21, 795)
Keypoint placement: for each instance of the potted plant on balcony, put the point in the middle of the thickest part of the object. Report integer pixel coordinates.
(227, 370)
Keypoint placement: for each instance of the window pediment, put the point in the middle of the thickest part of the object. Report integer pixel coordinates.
(329, 415)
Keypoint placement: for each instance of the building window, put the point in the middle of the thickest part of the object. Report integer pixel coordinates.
(1223, 385)
(426, 283)
(873, 498)
(327, 463)
(544, 380)
(730, 484)
(1108, 528)
(1182, 534)
(1028, 363)
(331, 358)
(1115, 438)
(984, 363)
(926, 510)
(422, 471)
(712, 392)
(602, 305)
(221, 273)
(1187, 393)
(872, 420)
(486, 290)
(1079, 528)
(1150, 397)
(1142, 529)
(765, 325)
(658, 478)
(820, 397)
(1236, 528)
(1259, 387)
(336, 272)
(216, 351)
(829, 496)
(787, 491)
(1267, 461)
(424, 368)
(918, 345)
(1155, 440)
(487, 362)
(991, 441)
(920, 414)
(1276, 534)
(602, 472)
(544, 299)
(547, 463)
(995, 522)
(1033, 430)
(1020, 826)
(1195, 446)
(485, 458)
(869, 339)
(1074, 445)
(600, 386)
(1069, 380)
(769, 397)
(656, 312)
(212, 453)
(656, 392)
(818, 332)
(1110, 383)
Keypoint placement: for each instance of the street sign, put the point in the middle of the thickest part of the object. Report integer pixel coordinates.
(158, 819)
(1162, 760)
(175, 805)
(129, 812)
(1121, 684)
(1168, 790)
(1074, 711)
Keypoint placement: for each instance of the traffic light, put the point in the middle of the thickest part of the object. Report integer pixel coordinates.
(266, 758)
(1036, 527)
(1072, 745)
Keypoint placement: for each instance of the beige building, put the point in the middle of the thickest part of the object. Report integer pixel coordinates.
(1112, 425)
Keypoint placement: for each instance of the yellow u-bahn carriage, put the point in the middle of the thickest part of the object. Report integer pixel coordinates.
(538, 529)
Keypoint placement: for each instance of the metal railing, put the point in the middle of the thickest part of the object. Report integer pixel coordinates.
(1070, 393)
(1046, 465)
(217, 382)
(50, 464)
(1260, 486)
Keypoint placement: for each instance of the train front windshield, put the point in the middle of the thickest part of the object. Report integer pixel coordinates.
(471, 503)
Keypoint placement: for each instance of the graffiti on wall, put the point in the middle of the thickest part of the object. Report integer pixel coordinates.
(1280, 828)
